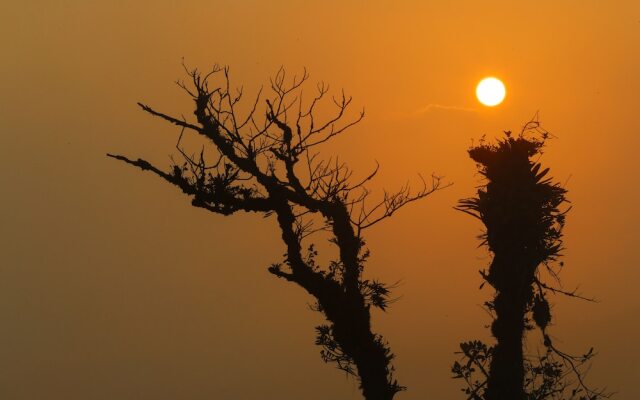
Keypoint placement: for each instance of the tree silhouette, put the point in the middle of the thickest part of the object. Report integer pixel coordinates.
(522, 210)
(266, 162)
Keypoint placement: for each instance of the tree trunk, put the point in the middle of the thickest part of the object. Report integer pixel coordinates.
(506, 381)
(351, 327)
(511, 275)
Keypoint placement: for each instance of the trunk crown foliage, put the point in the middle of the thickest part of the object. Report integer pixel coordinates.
(523, 211)
(519, 205)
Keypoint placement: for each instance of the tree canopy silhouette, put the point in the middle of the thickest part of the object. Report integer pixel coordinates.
(523, 211)
(265, 161)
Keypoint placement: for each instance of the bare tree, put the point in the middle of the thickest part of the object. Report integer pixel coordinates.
(266, 161)
(522, 210)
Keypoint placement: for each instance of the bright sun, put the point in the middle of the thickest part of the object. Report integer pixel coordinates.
(490, 91)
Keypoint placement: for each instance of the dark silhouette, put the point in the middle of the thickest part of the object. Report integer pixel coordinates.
(265, 162)
(521, 208)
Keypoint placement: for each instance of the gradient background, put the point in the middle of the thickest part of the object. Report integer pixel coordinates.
(113, 287)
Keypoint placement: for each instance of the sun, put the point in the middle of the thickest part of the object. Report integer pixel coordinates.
(490, 91)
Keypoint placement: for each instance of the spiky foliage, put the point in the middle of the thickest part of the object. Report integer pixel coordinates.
(522, 210)
(518, 206)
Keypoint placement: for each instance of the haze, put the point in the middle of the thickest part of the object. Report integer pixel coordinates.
(113, 287)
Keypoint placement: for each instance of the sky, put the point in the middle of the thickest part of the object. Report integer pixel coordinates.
(113, 286)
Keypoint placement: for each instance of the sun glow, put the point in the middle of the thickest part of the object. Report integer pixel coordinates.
(490, 91)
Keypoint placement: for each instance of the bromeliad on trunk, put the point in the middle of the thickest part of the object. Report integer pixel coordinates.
(523, 211)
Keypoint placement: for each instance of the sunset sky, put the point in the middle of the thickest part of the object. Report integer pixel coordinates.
(113, 287)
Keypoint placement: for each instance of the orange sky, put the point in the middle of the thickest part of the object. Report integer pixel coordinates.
(113, 287)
